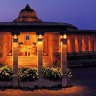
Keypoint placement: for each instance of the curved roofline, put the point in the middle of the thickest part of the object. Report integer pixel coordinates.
(39, 23)
(60, 23)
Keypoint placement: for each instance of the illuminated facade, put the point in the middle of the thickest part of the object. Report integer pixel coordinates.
(30, 42)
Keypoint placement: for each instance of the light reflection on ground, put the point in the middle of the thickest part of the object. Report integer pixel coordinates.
(44, 92)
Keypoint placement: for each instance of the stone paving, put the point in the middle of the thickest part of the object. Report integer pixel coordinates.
(84, 84)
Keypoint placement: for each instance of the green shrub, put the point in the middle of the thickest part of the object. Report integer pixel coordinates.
(52, 74)
(22, 74)
(6, 73)
(23, 77)
(32, 74)
(28, 74)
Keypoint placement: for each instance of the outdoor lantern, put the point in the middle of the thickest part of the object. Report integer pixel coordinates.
(64, 36)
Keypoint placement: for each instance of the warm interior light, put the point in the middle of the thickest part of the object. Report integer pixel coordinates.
(89, 43)
(40, 36)
(15, 36)
(64, 36)
(76, 44)
(95, 44)
(60, 36)
(69, 49)
(83, 43)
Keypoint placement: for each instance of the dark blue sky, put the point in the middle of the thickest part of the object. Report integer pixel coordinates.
(81, 13)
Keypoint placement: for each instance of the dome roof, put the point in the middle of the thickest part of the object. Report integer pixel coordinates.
(27, 15)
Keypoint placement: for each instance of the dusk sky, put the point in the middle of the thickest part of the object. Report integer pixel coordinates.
(81, 13)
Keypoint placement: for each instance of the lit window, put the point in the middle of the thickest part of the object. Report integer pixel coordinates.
(27, 37)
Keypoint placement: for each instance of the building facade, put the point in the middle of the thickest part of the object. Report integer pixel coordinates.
(30, 42)
(27, 40)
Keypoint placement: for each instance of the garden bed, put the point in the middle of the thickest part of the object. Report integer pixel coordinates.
(28, 77)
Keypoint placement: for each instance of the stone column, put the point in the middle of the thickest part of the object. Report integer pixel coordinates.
(80, 43)
(92, 41)
(64, 59)
(40, 59)
(86, 42)
(73, 42)
(15, 61)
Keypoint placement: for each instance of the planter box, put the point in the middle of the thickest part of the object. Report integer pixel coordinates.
(49, 84)
(28, 84)
(31, 84)
(4, 84)
(43, 84)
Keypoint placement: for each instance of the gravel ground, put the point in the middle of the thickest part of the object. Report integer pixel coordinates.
(83, 81)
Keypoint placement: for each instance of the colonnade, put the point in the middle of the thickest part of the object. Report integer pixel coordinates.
(63, 40)
(81, 43)
(68, 43)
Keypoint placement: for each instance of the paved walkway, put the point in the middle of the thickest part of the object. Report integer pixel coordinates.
(84, 81)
